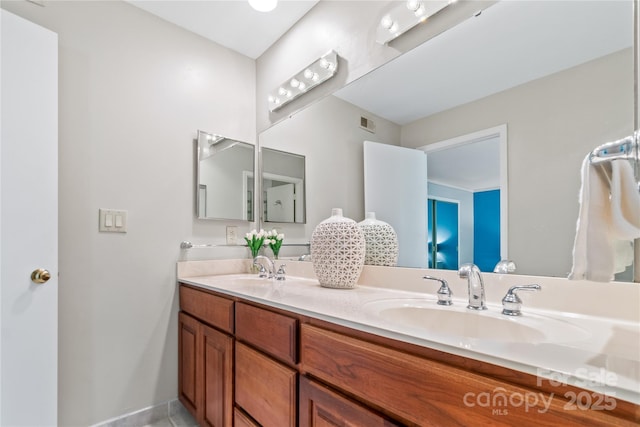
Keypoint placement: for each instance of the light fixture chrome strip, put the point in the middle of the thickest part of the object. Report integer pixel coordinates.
(316, 73)
(406, 15)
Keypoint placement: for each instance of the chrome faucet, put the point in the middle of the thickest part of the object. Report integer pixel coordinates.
(444, 293)
(263, 272)
(280, 274)
(476, 286)
(511, 303)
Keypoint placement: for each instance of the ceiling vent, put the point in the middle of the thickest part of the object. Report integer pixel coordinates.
(367, 124)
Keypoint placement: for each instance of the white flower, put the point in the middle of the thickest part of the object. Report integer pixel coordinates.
(280, 236)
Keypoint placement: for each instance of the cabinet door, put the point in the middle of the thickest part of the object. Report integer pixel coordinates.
(321, 407)
(217, 377)
(188, 350)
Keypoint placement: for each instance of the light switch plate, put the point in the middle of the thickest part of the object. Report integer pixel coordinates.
(112, 221)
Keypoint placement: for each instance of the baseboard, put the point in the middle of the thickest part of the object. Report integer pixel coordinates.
(142, 417)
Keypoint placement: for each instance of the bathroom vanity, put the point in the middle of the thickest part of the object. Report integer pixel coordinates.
(256, 352)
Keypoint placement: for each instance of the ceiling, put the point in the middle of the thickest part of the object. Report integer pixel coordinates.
(231, 23)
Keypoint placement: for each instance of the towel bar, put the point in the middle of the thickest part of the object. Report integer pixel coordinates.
(625, 148)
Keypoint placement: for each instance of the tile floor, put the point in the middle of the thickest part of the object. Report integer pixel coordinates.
(182, 418)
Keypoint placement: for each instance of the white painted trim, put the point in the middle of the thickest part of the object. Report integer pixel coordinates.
(501, 133)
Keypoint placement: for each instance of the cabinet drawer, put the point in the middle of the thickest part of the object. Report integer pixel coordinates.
(320, 406)
(240, 419)
(423, 392)
(211, 309)
(265, 389)
(271, 332)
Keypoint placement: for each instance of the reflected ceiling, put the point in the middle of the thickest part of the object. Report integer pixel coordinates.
(525, 55)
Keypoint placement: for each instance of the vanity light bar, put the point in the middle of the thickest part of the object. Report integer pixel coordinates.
(406, 15)
(316, 73)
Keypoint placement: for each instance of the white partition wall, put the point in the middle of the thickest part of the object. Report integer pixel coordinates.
(397, 176)
(28, 223)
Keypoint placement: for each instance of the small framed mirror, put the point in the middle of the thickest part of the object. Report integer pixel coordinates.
(283, 186)
(225, 175)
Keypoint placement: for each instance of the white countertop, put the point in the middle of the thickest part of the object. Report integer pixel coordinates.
(603, 355)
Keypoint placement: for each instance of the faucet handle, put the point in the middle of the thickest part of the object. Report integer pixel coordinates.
(511, 303)
(444, 293)
(262, 272)
(280, 273)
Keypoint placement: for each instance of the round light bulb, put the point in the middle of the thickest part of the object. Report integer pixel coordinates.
(288, 94)
(386, 22)
(315, 77)
(294, 83)
(263, 5)
(324, 63)
(413, 5)
(271, 99)
(302, 86)
(308, 73)
(282, 91)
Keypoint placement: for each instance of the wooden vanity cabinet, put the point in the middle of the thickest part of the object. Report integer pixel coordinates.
(205, 371)
(250, 365)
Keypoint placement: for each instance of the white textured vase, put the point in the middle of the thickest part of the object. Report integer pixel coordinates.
(381, 241)
(337, 251)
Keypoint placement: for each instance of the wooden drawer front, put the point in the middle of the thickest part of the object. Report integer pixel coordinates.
(271, 332)
(321, 407)
(424, 392)
(211, 309)
(265, 389)
(240, 419)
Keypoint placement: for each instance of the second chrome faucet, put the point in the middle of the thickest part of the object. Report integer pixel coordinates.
(475, 284)
(477, 300)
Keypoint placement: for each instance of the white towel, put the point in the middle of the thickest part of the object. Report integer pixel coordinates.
(609, 213)
(625, 213)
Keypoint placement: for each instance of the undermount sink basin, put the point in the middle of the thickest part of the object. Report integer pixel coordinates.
(459, 322)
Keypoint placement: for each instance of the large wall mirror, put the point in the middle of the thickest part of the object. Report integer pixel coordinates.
(283, 191)
(557, 75)
(225, 181)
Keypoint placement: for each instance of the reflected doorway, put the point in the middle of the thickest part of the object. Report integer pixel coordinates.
(442, 234)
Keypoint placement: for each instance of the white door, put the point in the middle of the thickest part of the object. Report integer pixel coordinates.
(280, 201)
(28, 223)
(395, 188)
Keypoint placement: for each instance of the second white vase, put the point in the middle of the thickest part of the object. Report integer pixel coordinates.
(381, 241)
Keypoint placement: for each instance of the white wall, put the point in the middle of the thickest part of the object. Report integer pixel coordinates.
(548, 136)
(133, 92)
